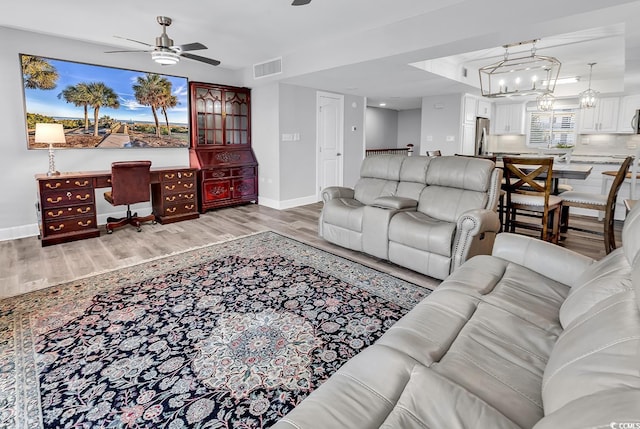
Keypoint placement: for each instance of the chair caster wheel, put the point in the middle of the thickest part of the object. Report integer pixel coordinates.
(153, 222)
(109, 231)
(139, 229)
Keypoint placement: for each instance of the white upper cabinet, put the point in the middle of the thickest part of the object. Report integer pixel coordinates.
(629, 106)
(601, 119)
(509, 119)
(469, 109)
(484, 108)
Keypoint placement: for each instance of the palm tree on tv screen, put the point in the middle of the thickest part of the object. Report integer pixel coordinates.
(151, 90)
(79, 96)
(38, 73)
(99, 95)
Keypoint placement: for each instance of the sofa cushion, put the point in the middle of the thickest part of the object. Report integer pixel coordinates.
(413, 176)
(460, 172)
(368, 189)
(344, 212)
(598, 352)
(417, 230)
(397, 203)
(630, 234)
(604, 278)
(448, 204)
(385, 167)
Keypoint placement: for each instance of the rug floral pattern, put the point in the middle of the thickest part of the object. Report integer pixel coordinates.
(232, 335)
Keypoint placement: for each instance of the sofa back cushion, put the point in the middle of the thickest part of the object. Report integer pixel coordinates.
(455, 184)
(630, 234)
(413, 176)
(368, 189)
(379, 176)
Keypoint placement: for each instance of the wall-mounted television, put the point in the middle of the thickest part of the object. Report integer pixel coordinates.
(105, 107)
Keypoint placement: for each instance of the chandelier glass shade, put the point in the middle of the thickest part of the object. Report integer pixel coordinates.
(523, 75)
(545, 102)
(165, 57)
(589, 97)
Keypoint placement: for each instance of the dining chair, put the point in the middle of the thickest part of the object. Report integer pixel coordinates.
(632, 176)
(434, 153)
(130, 183)
(600, 202)
(530, 203)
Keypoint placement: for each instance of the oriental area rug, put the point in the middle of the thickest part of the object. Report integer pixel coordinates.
(232, 335)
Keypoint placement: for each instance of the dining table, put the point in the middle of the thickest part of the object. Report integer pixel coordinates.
(559, 171)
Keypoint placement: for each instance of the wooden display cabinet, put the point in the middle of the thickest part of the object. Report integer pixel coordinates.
(221, 145)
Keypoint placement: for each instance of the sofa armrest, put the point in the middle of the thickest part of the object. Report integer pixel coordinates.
(336, 192)
(475, 231)
(396, 203)
(547, 259)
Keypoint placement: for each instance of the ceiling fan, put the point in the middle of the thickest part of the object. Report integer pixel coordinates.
(300, 2)
(165, 52)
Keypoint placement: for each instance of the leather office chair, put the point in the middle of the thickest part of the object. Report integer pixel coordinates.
(530, 193)
(130, 183)
(600, 202)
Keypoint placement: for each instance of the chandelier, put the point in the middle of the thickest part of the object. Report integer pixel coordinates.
(520, 75)
(589, 98)
(545, 102)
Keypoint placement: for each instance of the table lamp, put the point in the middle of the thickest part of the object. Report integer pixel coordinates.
(50, 134)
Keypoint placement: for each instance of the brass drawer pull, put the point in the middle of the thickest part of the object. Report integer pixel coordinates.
(189, 174)
(57, 200)
(52, 214)
(84, 224)
(188, 185)
(171, 198)
(169, 188)
(83, 211)
(188, 196)
(78, 183)
(169, 176)
(48, 185)
(189, 207)
(81, 198)
(171, 210)
(53, 228)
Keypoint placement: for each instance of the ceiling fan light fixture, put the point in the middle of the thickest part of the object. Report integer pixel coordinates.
(165, 57)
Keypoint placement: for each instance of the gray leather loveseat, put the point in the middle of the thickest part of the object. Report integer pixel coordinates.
(534, 335)
(429, 214)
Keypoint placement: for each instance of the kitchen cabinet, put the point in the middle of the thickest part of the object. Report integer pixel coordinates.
(484, 109)
(468, 139)
(509, 119)
(601, 119)
(469, 109)
(629, 106)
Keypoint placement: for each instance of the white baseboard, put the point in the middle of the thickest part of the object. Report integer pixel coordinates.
(287, 204)
(21, 231)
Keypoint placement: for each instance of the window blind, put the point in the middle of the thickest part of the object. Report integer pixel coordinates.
(557, 127)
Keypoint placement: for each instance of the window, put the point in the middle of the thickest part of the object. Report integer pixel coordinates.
(550, 129)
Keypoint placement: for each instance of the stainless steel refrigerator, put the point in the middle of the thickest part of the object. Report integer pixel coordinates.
(482, 134)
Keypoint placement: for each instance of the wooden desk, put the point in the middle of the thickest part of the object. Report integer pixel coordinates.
(67, 206)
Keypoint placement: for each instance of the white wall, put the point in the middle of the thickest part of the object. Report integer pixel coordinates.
(19, 165)
(354, 140)
(440, 120)
(381, 128)
(264, 141)
(409, 127)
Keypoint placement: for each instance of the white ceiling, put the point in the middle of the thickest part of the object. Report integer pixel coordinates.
(362, 47)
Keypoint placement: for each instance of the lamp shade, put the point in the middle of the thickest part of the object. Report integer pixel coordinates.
(49, 133)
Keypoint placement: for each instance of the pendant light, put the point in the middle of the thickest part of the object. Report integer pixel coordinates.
(546, 100)
(589, 98)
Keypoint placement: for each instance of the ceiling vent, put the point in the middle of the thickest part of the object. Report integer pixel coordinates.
(267, 68)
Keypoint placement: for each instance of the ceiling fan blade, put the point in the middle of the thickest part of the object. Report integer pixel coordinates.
(300, 2)
(201, 59)
(116, 52)
(191, 47)
(131, 40)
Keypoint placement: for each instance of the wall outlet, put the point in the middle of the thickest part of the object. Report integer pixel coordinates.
(429, 138)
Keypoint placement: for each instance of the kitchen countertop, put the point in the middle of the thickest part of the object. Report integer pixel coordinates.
(575, 158)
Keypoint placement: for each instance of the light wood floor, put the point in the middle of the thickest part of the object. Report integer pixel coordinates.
(27, 266)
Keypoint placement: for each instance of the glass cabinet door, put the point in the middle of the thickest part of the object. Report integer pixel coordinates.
(209, 127)
(236, 118)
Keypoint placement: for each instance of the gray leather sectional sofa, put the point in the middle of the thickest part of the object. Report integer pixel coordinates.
(429, 214)
(533, 335)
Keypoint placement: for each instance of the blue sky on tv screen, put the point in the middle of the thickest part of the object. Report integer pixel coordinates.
(46, 102)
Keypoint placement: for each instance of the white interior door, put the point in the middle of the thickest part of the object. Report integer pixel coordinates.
(330, 140)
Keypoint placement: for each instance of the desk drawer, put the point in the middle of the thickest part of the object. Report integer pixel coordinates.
(62, 226)
(178, 186)
(63, 198)
(243, 172)
(181, 197)
(57, 184)
(218, 173)
(66, 212)
(178, 209)
(177, 175)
